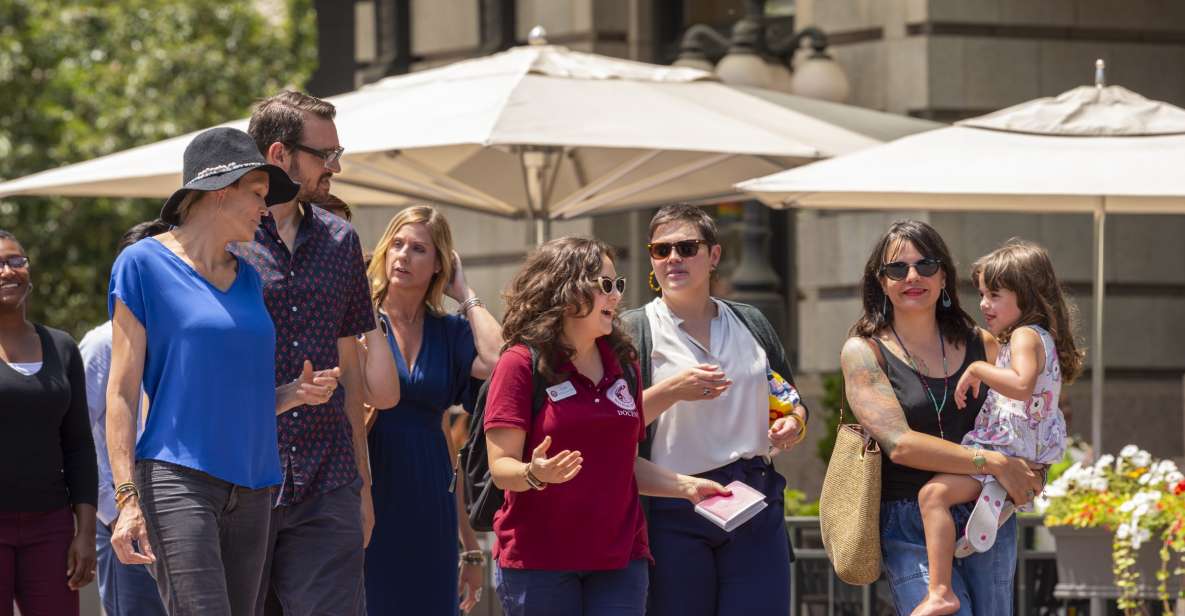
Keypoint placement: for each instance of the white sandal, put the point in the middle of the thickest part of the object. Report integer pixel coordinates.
(992, 509)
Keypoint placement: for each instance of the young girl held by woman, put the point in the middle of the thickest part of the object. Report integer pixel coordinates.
(1024, 307)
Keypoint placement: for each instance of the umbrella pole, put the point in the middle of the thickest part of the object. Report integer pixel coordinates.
(1097, 357)
(542, 229)
(540, 167)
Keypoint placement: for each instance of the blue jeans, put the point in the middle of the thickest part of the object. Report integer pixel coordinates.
(536, 592)
(126, 590)
(700, 570)
(982, 582)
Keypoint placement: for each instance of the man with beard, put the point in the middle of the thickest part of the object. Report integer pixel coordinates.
(315, 288)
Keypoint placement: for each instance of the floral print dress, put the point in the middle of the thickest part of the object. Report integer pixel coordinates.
(1032, 429)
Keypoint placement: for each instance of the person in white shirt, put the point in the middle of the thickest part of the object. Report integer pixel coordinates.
(706, 365)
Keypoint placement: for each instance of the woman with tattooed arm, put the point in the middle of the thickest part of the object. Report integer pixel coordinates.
(905, 355)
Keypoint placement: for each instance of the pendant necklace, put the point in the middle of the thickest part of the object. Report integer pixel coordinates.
(945, 378)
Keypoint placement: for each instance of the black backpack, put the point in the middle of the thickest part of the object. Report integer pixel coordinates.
(482, 497)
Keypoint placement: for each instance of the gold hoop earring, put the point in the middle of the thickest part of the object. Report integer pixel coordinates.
(653, 280)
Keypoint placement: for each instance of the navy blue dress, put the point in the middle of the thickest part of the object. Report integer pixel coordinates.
(411, 563)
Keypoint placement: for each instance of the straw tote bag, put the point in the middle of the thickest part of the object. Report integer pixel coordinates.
(850, 503)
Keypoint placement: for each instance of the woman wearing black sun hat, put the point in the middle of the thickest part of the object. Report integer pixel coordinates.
(190, 327)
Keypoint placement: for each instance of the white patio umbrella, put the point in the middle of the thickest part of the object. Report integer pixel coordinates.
(536, 131)
(1093, 150)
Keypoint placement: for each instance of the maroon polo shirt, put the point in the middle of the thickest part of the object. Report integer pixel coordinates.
(594, 521)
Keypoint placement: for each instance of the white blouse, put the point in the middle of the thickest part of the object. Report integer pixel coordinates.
(701, 435)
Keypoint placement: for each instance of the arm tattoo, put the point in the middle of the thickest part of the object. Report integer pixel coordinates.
(871, 395)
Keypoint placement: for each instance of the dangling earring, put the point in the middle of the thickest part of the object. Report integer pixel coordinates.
(653, 280)
(885, 307)
(945, 298)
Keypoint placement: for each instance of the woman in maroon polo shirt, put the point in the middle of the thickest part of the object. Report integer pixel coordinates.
(571, 538)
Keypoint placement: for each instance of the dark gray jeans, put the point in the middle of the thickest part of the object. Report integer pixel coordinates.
(209, 537)
(316, 559)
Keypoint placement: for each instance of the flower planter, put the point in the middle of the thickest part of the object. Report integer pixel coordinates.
(1085, 570)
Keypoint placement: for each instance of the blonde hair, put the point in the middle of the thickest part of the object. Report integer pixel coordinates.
(442, 241)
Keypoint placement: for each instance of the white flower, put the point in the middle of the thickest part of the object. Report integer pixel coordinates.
(1142, 458)
(1127, 451)
(1054, 490)
(1105, 460)
(1173, 478)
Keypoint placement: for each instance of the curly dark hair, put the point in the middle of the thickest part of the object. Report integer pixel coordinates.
(556, 278)
(955, 324)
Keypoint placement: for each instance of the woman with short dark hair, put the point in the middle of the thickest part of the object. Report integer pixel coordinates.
(49, 485)
(706, 367)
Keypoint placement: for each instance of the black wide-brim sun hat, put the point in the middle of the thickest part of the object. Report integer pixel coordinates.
(217, 158)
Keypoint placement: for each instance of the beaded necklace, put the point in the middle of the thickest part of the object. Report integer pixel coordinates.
(945, 378)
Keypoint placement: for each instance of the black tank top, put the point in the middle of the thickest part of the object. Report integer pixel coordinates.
(901, 482)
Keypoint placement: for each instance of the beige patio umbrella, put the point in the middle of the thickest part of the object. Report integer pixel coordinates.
(538, 131)
(1097, 150)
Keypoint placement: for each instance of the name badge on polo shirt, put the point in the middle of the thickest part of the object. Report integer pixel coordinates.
(561, 391)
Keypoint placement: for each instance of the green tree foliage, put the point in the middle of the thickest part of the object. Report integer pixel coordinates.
(832, 395)
(84, 78)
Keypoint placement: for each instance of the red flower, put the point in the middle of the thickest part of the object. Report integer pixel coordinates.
(1179, 488)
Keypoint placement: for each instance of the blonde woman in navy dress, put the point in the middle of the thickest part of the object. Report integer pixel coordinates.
(412, 559)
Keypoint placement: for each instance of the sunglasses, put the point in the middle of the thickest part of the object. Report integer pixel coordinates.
(330, 156)
(16, 262)
(685, 248)
(898, 270)
(608, 284)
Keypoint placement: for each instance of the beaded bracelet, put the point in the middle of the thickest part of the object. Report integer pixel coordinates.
(473, 557)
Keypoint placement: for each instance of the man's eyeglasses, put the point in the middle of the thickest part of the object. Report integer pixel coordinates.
(608, 284)
(685, 248)
(16, 262)
(899, 270)
(331, 156)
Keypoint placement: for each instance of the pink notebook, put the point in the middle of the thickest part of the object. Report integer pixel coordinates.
(729, 512)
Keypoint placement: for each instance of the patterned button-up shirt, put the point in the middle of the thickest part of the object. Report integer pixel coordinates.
(316, 293)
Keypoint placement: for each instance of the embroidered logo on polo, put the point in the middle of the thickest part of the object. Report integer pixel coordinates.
(619, 394)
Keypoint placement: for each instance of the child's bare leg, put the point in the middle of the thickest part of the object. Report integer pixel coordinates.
(935, 500)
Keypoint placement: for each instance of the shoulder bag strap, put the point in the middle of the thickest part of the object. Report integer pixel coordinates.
(880, 361)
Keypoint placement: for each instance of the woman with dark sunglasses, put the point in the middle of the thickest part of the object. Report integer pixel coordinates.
(571, 537)
(49, 485)
(905, 355)
(705, 366)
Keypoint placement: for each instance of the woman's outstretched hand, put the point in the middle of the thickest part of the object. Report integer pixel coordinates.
(559, 468)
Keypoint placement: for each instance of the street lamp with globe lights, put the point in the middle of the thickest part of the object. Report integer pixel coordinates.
(760, 53)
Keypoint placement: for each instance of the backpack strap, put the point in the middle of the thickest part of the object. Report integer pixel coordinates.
(539, 392)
